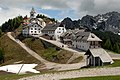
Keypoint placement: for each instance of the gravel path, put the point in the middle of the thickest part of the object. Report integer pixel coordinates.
(113, 55)
(76, 74)
(48, 65)
(59, 44)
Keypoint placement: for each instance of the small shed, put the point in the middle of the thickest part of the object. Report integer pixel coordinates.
(97, 57)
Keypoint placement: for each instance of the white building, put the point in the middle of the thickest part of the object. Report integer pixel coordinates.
(86, 40)
(98, 57)
(54, 30)
(33, 26)
(81, 40)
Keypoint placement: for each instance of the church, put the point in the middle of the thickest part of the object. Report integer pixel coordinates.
(32, 26)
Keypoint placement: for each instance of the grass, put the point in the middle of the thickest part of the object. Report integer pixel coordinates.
(14, 76)
(14, 53)
(115, 64)
(48, 51)
(97, 78)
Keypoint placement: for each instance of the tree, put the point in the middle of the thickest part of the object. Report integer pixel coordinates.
(12, 24)
(0, 32)
(107, 44)
(116, 48)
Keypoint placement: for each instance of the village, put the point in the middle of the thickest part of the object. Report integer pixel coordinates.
(77, 39)
(82, 54)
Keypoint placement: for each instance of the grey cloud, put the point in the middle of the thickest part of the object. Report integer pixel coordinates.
(55, 4)
(80, 7)
(87, 5)
(99, 6)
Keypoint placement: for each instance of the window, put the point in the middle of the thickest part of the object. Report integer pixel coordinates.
(35, 28)
(31, 31)
(92, 36)
(59, 28)
(35, 32)
(58, 32)
(39, 29)
(31, 28)
(63, 29)
(32, 14)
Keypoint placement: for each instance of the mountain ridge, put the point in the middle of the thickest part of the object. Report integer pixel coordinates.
(103, 22)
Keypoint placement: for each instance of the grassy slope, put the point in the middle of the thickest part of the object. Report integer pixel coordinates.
(14, 76)
(115, 64)
(98, 78)
(13, 52)
(47, 50)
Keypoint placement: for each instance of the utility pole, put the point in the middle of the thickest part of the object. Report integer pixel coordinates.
(20, 68)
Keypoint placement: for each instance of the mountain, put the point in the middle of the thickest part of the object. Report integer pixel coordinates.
(108, 22)
(68, 23)
(102, 22)
(88, 22)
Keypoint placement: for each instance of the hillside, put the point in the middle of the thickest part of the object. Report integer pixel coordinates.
(14, 53)
(48, 51)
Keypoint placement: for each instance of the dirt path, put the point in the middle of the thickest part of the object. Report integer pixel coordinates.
(49, 65)
(113, 55)
(76, 74)
(59, 44)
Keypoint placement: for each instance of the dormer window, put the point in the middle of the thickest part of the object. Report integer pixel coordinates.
(92, 36)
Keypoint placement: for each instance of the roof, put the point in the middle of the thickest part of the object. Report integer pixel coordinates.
(80, 35)
(31, 25)
(101, 53)
(93, 37)
(51, 27)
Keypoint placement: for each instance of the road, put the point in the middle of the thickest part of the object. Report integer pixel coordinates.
(113, 55)
(76, 74)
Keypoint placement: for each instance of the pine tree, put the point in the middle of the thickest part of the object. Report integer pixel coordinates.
(107, 44)
(116, 48)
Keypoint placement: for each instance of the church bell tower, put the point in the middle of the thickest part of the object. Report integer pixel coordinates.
(32, 13)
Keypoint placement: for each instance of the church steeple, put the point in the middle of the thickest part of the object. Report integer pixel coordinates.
(32, 13)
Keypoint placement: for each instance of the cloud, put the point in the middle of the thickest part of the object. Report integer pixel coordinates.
(99, 6)
(11, 13)
(70, 8)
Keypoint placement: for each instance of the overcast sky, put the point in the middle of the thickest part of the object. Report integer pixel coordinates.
(58, 9)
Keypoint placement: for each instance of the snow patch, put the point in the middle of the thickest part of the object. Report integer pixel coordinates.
(16, 68)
